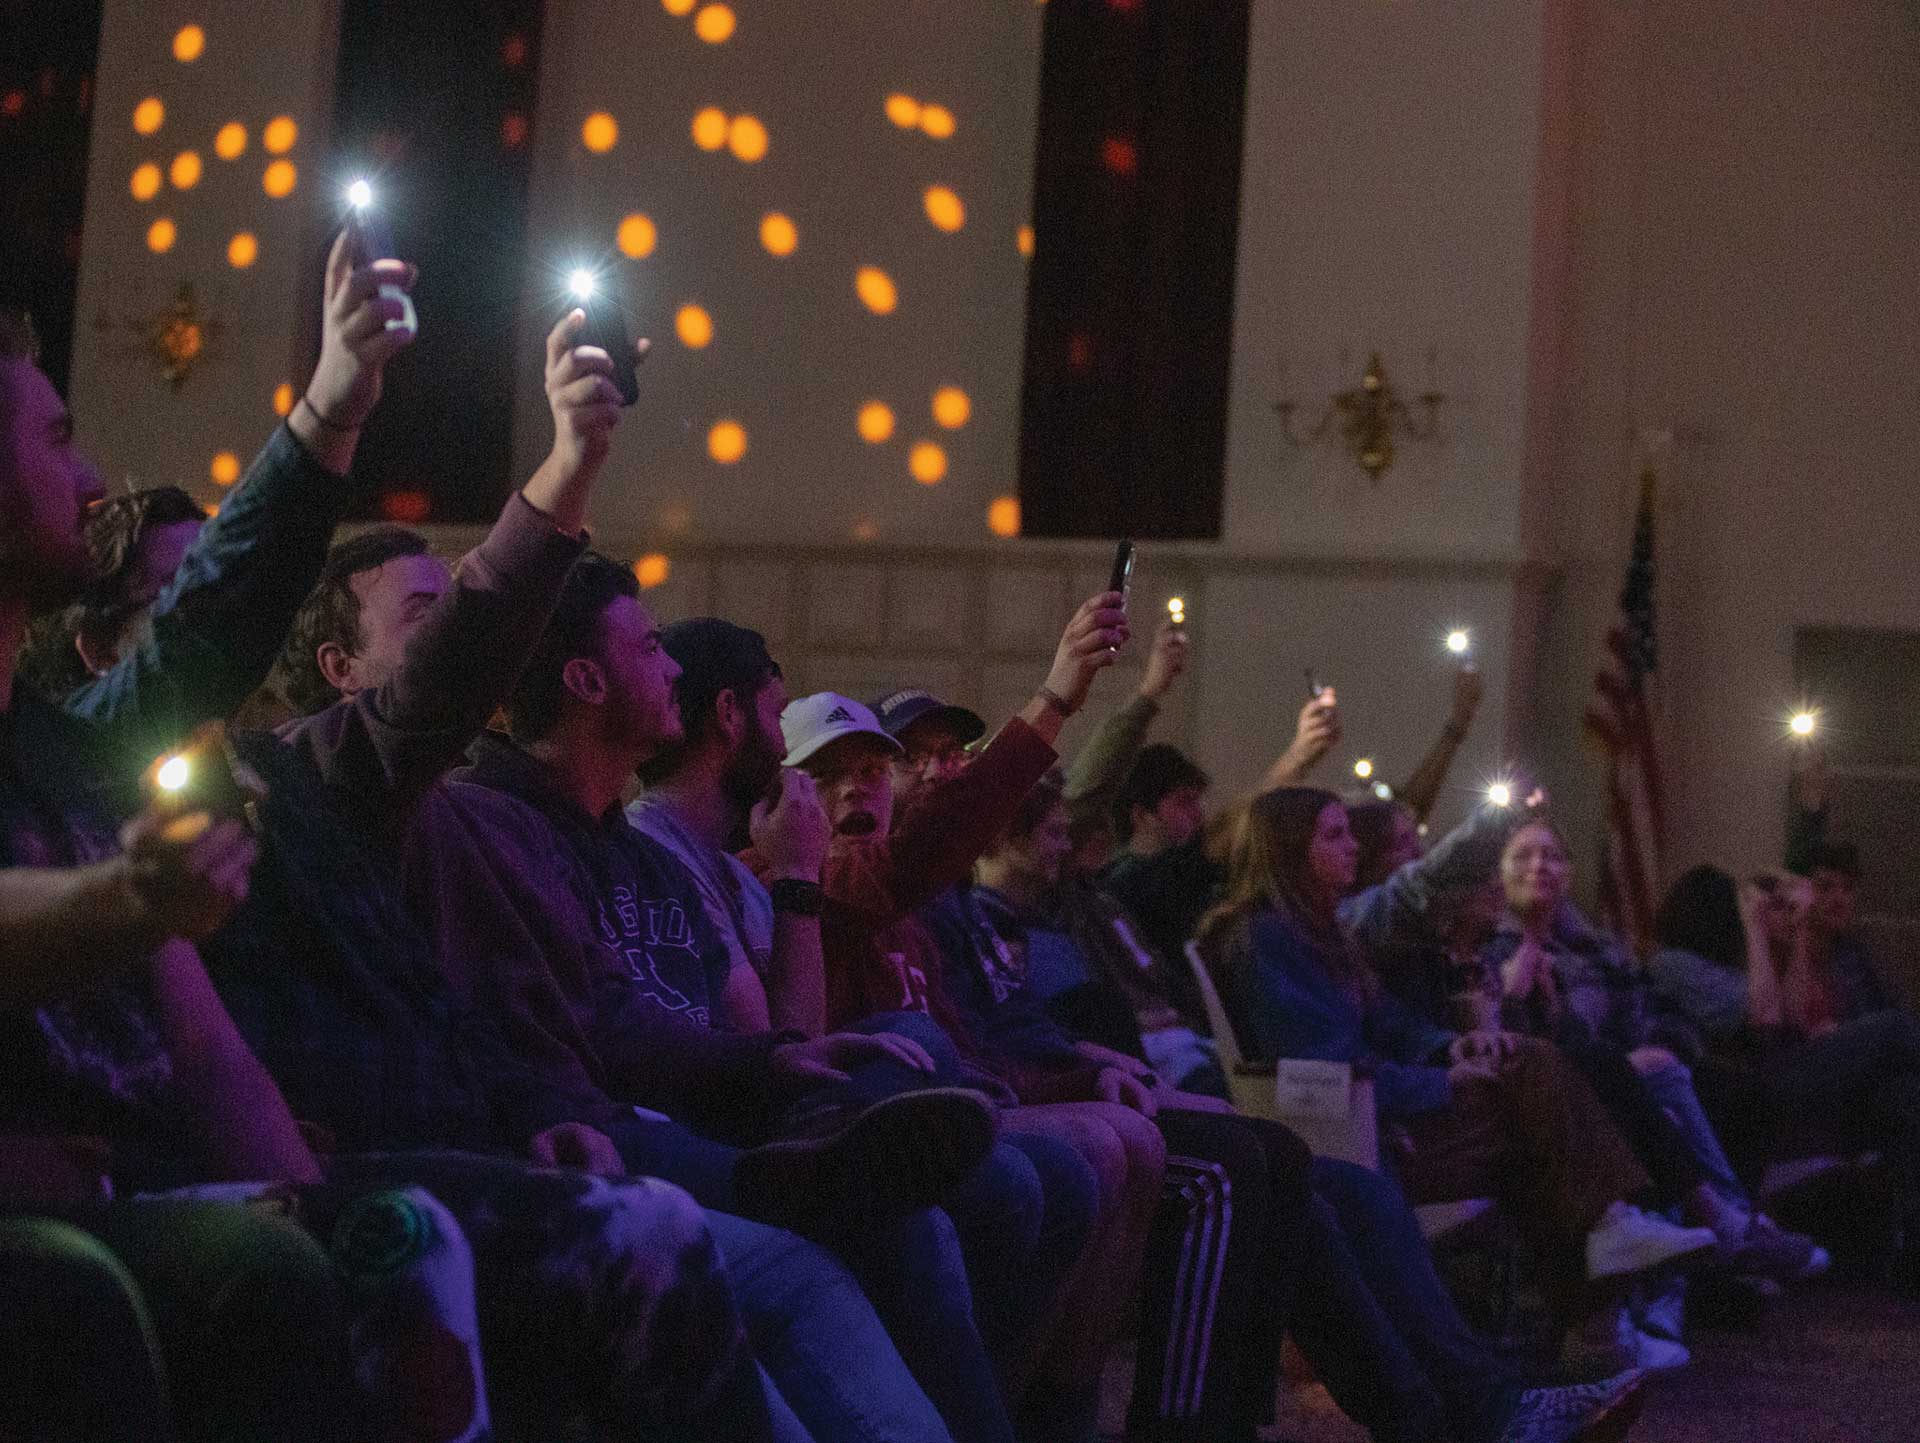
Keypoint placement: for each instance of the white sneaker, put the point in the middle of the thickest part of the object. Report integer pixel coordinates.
(1631, 1241)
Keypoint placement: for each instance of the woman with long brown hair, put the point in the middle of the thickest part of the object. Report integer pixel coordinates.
(1487, 1113)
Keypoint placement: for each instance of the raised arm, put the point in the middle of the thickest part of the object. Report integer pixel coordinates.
(1314, 735)
(220, 623)
(1422, 789)
(1101, 764)
(393, 741)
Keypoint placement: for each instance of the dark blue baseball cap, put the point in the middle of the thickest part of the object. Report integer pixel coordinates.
(901, 709)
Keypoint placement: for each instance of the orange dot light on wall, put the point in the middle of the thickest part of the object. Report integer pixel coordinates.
(243, 250)
(652, 569)
(903, 111)
(727, 442)
(280, 135)
(599, 132)
(637, 236)
(694, 327)
(149, 115)
(1003, 516)
(1023, 239)
(280, 179)
(225, 469)
(778, 234)
(231, 142)
(927, 463)
(283, 399)
(145, 182)
(876, 290)
(747, 138)
(185, 170)
(951, 408)
(714, 24)
(937, 121)
(189, 44)
(710, 128)
(161, 235)
(875, 422)
(677, 7)
(944, 208)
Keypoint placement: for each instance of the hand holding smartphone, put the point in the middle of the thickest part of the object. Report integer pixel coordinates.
(373, 241)
(200, 783)
(603, 298)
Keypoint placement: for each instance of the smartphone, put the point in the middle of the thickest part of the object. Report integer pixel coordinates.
(1314, 687)
(373, 241)
(203, 777)
(1122, 574)
(606, 328)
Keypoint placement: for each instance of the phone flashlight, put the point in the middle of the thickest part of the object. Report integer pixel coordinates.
(1804, 723)
(1363, 768)
(202, 778)
(374, 242)
(1459, 641)
(1314, 688)
(1500, 794)
(602, 297)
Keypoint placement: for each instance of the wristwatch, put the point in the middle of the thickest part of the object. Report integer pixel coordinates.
(798, 896)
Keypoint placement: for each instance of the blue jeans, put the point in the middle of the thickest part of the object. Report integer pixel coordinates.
(818, 1338)
(1672, 1087)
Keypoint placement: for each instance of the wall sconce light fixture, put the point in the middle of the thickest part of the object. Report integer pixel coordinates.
(1372, 416)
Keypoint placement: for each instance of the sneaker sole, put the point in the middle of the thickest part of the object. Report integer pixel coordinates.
(1690, 1255)
(898, 1156)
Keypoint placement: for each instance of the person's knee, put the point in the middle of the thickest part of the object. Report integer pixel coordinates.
(1145, 1148)
(1004, 1199)
(1069, 1188)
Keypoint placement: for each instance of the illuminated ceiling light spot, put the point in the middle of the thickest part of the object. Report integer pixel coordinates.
(1003, 516)
(944, 208)
(866, 529)
(161, 235)
(710, 128)
(637, 236)
(903, 111)
(406, 506)
(778, 234)
(280, 135)
(875, 423)
(513, 130)
(694, 327)
(1119, 155)
(279, 180)
(676, 518)
(927, 463)
(211, 508)
(652, 569)
(189, 44)
(1023, 238)
(225, 469)
(714, 24)
(282, 399)
(747, 138)
(951, 408)
(936, 121)
(185, 170)
(149, 115)
(513, 51)
(677, 7)
(13, 103)
(231, 142)
(876, 290)
(145, 183)
(727, 442)
(1079, 352)
(243, 250)
(598, 132)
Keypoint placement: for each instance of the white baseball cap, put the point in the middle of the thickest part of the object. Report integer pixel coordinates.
(813, 721)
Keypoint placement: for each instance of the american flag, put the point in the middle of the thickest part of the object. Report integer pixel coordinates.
(1621, 717)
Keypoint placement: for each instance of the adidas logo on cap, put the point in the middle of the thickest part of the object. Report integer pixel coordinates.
(838, 714)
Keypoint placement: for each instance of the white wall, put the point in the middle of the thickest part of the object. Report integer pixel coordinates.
(1744, 270)
(260, 61)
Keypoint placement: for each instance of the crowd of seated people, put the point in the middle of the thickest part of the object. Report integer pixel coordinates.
(509, 1014)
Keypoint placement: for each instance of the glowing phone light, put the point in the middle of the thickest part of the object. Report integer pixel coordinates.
(360, 195)
(1363, 768)
(1500, 794)
(581, 283)
(173, 774)
(1803, 723)
(1459, 641)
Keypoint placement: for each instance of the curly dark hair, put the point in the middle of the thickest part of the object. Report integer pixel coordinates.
(1158, 770)
(331, 613)
(114, 533)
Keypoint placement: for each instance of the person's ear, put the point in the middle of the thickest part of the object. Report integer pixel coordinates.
(585, 680)
(730, 714)
(336, 665)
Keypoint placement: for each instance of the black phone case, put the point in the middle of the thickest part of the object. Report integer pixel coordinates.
(606, 328)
